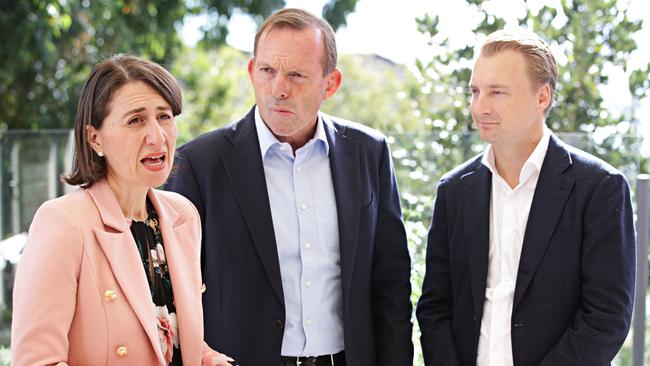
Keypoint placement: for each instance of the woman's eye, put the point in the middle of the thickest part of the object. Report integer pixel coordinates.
(164, 116)
(134, 120)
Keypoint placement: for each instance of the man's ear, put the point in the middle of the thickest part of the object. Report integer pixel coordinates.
(334, 80)
(251, 68)
(545, 96)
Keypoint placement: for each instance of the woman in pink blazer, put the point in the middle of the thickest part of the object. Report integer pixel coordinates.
(110, 274)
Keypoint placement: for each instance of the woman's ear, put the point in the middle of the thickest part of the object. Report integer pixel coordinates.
(94, 139)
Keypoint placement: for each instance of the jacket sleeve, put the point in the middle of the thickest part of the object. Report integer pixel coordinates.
(608, 270)
(434, 310)
(391, 287)
(45, 288)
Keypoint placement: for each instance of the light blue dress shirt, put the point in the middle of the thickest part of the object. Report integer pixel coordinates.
(303, 209)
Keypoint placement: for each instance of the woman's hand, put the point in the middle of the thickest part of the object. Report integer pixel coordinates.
(214, 358)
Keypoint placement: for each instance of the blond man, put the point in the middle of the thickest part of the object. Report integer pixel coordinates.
(531, 251)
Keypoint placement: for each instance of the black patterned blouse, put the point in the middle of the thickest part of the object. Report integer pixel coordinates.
(150, 245)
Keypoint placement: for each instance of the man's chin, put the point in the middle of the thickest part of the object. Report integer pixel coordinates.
(280, 130)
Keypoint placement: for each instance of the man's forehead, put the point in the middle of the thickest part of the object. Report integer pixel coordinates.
(297, 49)
(307, 32)
(505, 62)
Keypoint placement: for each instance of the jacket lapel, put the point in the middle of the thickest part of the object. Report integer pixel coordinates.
(552, 191)
(118, 245)
(344, 165)
(243, 166)
(183, 261)
(476, 192)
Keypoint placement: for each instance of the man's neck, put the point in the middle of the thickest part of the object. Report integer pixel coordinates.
(510, 159)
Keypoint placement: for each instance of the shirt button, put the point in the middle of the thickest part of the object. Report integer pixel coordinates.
(308, 283)
(298, 169)
(110, 295)
(121, 351)
(308, 321)
(303, 206)
(307, 245)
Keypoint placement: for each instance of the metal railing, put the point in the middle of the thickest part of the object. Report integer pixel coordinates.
(643, 221)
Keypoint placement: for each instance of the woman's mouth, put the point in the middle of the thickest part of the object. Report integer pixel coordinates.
(154, 162)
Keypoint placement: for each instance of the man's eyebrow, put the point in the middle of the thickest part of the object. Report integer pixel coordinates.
(490, 86)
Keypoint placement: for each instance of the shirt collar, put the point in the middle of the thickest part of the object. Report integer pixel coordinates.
(533, 163)
(267, 138)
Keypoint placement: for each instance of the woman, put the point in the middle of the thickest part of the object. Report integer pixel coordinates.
(110, 274)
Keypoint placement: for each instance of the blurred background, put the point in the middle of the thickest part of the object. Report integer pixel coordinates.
(406, 67)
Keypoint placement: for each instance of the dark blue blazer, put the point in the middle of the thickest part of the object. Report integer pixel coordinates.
(575, 284)
(221, 172)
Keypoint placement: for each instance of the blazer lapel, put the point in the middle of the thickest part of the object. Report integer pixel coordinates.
(553, 189)
(344, 165)
(476, 192)
(183, 260)
(245, 171)
(118, 245)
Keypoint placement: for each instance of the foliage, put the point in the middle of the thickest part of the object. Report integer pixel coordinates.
(216, 89)
(220, 11)
(5, 356)
(371, 93)
(53, 44)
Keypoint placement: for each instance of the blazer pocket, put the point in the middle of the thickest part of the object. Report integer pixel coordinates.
(365, 206)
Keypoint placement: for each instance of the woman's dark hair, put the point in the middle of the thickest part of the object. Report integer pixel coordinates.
(104, 80)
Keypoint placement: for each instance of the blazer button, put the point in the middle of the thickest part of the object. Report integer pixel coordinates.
(121, 351)
(278, 324)
(203, 288)
(110, 295)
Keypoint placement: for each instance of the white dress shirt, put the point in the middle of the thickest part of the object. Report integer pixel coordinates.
(509, 209)
(305, 222)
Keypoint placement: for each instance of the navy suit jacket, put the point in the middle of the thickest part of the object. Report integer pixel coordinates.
(575, 284)
(221, 172)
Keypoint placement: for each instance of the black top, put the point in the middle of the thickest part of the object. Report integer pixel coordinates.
(151, 248)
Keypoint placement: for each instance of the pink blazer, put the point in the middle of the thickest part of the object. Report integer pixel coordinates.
(79, 249)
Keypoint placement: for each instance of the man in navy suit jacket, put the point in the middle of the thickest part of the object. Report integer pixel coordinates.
(531, 251)
(304, 252)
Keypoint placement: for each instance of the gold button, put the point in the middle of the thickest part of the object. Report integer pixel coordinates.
(121, 351)
(203, 288)
(110, 295)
